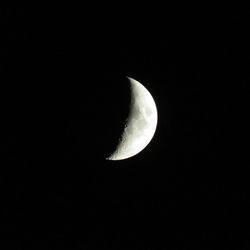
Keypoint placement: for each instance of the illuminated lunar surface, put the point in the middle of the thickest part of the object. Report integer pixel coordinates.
(140, 125)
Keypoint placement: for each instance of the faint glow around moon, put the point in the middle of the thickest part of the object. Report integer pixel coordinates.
(140, 125)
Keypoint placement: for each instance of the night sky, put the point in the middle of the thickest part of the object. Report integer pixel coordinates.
(64, 101)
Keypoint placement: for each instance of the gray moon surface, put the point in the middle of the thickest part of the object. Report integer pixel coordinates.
(140, 125)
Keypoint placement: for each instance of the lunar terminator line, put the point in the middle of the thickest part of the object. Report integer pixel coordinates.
(140, 125)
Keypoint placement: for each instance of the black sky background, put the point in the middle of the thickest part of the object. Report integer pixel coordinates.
(64, 98)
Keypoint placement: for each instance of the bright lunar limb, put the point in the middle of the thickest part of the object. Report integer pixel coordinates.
(140, 125)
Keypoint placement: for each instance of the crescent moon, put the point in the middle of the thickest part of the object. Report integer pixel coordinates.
(140, 125)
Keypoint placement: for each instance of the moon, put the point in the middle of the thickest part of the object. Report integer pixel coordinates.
(140, 125)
